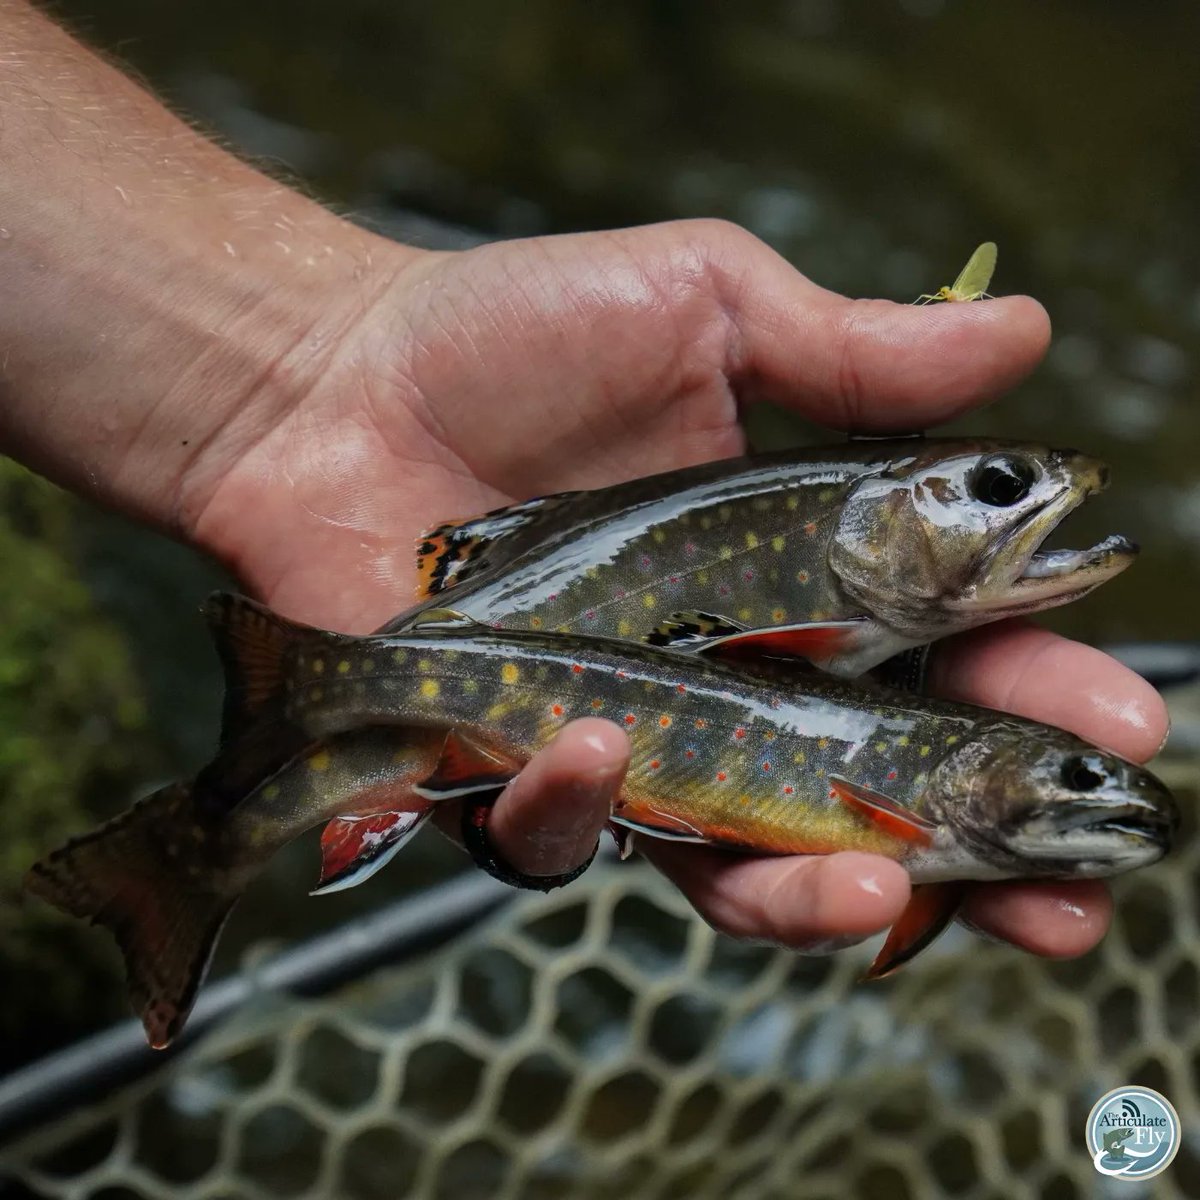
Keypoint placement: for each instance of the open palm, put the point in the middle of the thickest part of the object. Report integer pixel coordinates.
(475, 379)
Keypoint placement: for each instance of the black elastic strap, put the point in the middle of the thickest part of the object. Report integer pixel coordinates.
(479, 846)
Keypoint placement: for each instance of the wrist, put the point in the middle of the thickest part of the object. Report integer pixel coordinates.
(159, 299)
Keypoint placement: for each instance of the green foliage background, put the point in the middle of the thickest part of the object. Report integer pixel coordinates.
(73, 744)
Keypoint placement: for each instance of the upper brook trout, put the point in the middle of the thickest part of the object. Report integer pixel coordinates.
(843, 555)
(809, 765)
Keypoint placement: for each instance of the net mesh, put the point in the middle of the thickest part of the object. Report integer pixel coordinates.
(603, 1042)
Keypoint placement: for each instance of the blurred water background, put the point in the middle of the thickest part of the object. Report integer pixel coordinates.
(873, 145)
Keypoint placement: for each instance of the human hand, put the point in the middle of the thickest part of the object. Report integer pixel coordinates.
(521, 368)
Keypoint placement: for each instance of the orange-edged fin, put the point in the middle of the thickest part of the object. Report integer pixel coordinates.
(353, 848)
(456, 550)
(818, 641)
(930, 909)
(253, 644)
(147, 878)
(690, 628)
(884, 812)
(466, 767)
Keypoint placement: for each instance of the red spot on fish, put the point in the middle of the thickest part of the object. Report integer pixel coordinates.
(645, 560)
(891, 774)
(577, 669)
(597, 703)
(766, 766)
(748, 576)
(701, 723)
(810, 528)
(619, 593)
(787, 791)
(630, 719)
(556, 709)
(621, 674)
(723, 589)
(590, 614)
(665, 721)
(689, 547)
(720, 776)
(739, 733)
(552, 596)
(689, 754)
(802, 576)
(680, 688)
(674, 578)
(655, 763)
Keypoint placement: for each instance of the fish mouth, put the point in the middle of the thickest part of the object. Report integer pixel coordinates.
(1020, 576)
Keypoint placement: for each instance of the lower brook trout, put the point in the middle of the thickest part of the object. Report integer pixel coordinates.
(318, 725)
(841, 555)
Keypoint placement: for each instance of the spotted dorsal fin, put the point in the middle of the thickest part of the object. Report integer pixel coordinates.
(456, 550)
(688, 628)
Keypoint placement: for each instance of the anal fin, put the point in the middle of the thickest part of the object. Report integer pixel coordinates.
(930, 909)
(353, 848)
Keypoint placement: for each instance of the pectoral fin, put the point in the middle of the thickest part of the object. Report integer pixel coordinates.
(466, 767)
(818, 642)
(930, 909)
(884, 812)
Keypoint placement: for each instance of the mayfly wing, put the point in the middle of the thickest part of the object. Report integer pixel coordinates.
(974, 278)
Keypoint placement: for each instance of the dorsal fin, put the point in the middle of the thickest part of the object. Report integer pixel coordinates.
(253, 644)
(456, 550)
(684, 628)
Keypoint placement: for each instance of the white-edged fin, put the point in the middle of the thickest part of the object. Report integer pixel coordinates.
(465, 768)
(376, 851)
(685, 833)
(438, 618)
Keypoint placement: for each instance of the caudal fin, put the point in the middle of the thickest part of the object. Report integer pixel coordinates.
(146, 876)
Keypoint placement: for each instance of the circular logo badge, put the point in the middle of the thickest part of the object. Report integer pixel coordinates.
(1133, 1133)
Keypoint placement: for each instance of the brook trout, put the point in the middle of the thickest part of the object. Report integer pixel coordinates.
(809, 765)
(844, 555)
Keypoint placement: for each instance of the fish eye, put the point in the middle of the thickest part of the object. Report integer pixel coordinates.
(1002, 482)
(1083, 773)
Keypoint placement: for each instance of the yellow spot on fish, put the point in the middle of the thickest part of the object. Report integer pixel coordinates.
(822, 743)
(777, 615)
(430, 688)
(318, 666)
(799, 757)
(498, 710)
(706, 522)
(510, 673)
(902, 740)
(725, 553)
(344, 667)
(597, 703)
(702, 578)
(825, 495)
(624, 629)
(424, 665)
(271, 791)
(319, 761)
(751, 540)
(924, 751)
(744, 800)
(535, 622)
(744, 614)
(400, 756)
(315, 695)
(777, 544)
(820, 772)
(793, 502)
(659, 536)
(470, 686)
(881, 747)
(592, 573)
(817, 615)
(399, 657)
(952, 739)
(725, 511)
(648, 600)
(368, 665)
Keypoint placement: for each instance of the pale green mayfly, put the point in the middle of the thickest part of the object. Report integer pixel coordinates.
(972, 281)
